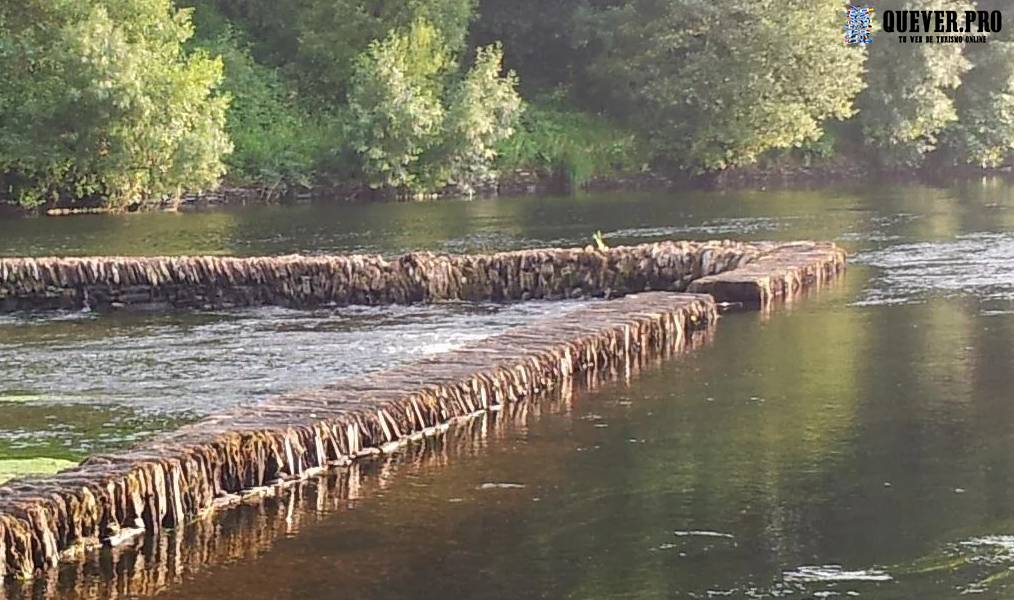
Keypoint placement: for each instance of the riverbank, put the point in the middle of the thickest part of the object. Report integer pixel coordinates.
(786, 175)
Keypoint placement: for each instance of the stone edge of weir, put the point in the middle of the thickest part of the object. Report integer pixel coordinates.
(215, 462)
(745, 272)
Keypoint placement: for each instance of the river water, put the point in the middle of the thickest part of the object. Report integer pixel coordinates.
(859, 443)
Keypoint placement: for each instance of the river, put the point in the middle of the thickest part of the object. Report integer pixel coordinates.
(859, 443)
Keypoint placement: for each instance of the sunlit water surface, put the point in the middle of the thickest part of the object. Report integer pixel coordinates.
(80, 382)
(856, 444)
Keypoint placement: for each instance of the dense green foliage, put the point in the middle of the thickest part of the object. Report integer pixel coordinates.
(397, 113)
(983, 135)
(482, 110)
(332, 34)
(551, 139)
(131, 101)
(416, 131)
(909, 100)
(275, 142)
(100, 99)
(717, 84)
(538, 36)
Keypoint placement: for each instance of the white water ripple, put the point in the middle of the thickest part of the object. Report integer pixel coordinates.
(700, 533)
(979, 264)
(990, 549)
(712, 227)
(835, 573)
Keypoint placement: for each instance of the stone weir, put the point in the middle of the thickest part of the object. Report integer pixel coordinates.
(181, 475)
(220, 460)
(751, 273)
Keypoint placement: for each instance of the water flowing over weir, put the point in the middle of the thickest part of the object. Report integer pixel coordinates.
(218, 461)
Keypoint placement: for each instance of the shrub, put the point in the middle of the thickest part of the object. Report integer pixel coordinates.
(576, 145)
(101, 100)
(395, 105)
(277, 143)
(417, 130)
(482, 110)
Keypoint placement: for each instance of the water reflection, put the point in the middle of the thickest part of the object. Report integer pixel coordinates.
(860, 443)
(155, 563)
(916, 212)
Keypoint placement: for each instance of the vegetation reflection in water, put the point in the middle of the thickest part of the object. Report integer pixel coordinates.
(745, 469)
(861, 441)
(155, 562)
(867, 217)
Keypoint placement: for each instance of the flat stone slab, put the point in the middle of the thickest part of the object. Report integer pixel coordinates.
(785, 270)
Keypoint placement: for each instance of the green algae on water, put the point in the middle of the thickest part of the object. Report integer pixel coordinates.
(19, 467)
(19, 398)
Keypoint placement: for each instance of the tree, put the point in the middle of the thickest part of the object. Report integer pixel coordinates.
(413, 128)
(908, 103)
(276, 142)
(482, 111)
(273, 33)
(983, 135)
(536, 38)
(333, 33)
(395, 104)
(715, 84)
(100, 100)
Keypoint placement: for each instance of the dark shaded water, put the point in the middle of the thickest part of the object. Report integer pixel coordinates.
(860, 443)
